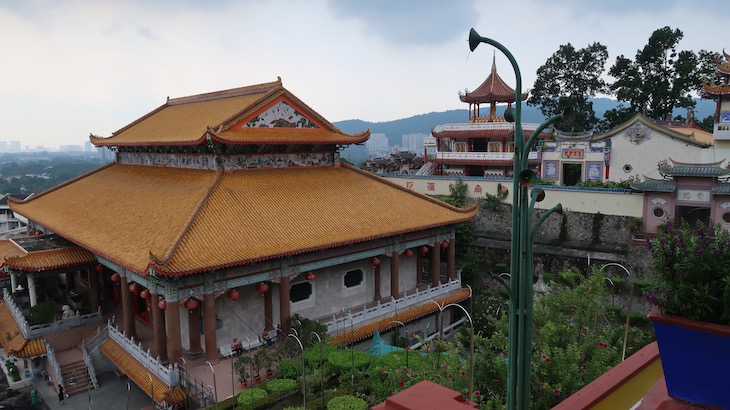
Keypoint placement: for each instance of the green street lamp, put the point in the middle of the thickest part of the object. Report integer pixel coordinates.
(520, 287)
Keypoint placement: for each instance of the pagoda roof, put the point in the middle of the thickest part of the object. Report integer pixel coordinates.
(52, 259)
(223, 219)
(13, 342)
(721, 189)
(714, 89)
(686, 169)
(655, 185)
(237, 116)
(723, 67)
(492, 90)
(639, 118)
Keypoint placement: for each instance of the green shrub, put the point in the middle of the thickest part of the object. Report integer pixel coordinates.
(42, 312)
(614, 312)
(569, 278)
(311, 356)
(251, 395)
(548, 277)
(289, 368)
(341, 360)
(618, 284)
(639, 319)
(347, 402)
(640, 286)
(279, 386)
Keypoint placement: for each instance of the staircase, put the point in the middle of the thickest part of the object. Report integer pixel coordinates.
(75, 376)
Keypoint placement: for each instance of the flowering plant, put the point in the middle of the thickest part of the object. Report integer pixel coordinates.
(691, 272)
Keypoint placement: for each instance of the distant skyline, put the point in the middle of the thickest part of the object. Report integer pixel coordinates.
(78, 67)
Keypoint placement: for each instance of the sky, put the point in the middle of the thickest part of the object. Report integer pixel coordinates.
(73, 68)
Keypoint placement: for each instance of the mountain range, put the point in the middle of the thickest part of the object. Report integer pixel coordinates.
(423, 123)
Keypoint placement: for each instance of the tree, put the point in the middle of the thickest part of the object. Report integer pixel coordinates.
(658, 80)
(566, 80)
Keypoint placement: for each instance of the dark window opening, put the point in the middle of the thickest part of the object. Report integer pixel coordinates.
(693, 215)
(353, 278)
(658, 212)
(300, 291)
(572, 173)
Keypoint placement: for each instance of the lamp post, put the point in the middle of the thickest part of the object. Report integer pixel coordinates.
(398, 322)
(304, 375)
(86, 377)
(128, 391)
(321, 368)
(215, 387)
(233, 385)
(520, 288)
(471, 349)
(440, 325)
(250, 365)
(631, 298)
(152, 391)
(352, 347)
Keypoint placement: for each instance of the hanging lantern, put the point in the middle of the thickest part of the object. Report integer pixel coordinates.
(408, 253)
(444, 245)
(310, 276)
(162, 304)
(375, 261)
(424, 250)
(262, 288)
(134, 288)
(99, 268)
(191, 304)
(234, 294)
(115, 277)
(145, 294)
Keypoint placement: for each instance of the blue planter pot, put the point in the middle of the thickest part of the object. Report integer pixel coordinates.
(695, 357)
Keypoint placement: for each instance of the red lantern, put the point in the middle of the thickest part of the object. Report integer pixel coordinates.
(162, 304)
(310, 276)
(424, 250)
(134, 288)
(145, 294)
(408, 253)
(262, 288)
(99, 268)
(115, 277)
(191, 304)
(444, 245)
(234, 294)
(375, 261)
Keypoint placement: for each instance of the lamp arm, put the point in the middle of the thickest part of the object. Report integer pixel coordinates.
(533, 137)
(558, 207)
(506, 286)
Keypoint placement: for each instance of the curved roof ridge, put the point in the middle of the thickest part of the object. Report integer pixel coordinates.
(174, 245)
(12, 200)
(232, 92)
(717, 163)
(688, 138)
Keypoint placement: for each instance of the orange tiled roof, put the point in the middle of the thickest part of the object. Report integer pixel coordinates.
(12, 339)
(183, 221)
(361, 332)
(51, 259)
(9, 249)
(139, 374)
(716, 89)
(189, 120)
(492, 90)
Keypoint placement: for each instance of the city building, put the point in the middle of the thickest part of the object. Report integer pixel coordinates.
(377, 145)
(225, 196)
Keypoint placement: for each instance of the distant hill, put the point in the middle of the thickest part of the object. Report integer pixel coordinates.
(423, 123)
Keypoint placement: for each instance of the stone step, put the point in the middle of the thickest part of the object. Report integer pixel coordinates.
(75, 377)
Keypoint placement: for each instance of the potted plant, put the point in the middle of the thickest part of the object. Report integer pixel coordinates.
(258, 363)
(691, 316)
(243, 369)
(267, 360)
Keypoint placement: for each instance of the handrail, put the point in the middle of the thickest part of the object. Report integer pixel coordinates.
(168, 374)
(482, 156)
(196, 387)
(435, 335)
(89, 364)
(54, 363)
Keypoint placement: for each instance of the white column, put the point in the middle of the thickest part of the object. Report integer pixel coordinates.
(31, 291)
(13, 282)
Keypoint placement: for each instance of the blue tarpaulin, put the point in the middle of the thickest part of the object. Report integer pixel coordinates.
(379, 347)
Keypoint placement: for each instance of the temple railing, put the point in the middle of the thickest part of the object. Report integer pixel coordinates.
(366, 314)
(34, 331)
(168, 374)
(51, 355)
(482, 156)
(89, 365)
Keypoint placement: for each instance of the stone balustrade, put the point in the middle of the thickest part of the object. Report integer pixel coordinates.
(168, 374)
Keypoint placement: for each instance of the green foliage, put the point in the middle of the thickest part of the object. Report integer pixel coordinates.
(563, 236)
(307, 327)
(281, 386)
(289, 367)
(566, 81)
(311, 356)
(42, 312)
(635, 224)
(251, 396)
(618, 284)
(569, 278)
(457, 196)
(604, 184)
(640, 286)
(471, 268)
(242, 367)
(12, 370)
(596, 228)
(487, 310)
(691, 272)
(347, 402)
(494, 202)
(342, 360)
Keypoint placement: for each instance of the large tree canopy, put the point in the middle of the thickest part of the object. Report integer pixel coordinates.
(566, 80)
(656, 81)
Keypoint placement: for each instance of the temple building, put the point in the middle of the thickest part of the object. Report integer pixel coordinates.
(721, 93)
(235, 195)
(483, 146)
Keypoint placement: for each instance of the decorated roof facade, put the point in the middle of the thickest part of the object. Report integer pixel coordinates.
(723, 68)
(685, 169)
(639, 121)
(254, 115)
(179, 221)
(492, 90)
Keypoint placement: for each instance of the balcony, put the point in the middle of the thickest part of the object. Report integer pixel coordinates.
(481, 156)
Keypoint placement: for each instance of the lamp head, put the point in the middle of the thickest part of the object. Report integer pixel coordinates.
(559, 208)
(527, 178)
(510, 114)
(539, 193)
(474, 39)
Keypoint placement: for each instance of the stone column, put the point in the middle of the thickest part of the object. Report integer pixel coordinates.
(158, 327)
(394, 276)
(284, 304)
(419, 265)
(268, 310)
(194, 331)
(93, 289)
(127, 308)
(31, 291)
(211, 343)
(376, 283)
(451, 258)
(435, 265)
(174, 342)
(13, 282)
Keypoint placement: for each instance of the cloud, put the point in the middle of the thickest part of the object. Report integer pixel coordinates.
(410, 22)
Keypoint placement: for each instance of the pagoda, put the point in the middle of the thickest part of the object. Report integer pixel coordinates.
(224, 196)
(483, 146)
(720, 91)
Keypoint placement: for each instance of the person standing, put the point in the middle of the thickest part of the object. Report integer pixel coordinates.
(61, 394)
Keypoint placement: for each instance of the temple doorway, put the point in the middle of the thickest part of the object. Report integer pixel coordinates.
(572, 173)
